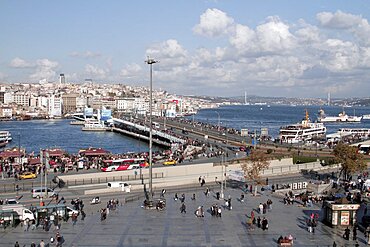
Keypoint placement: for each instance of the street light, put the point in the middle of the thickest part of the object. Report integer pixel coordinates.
(150, 61)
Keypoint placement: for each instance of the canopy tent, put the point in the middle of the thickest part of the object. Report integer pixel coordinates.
(94, 152)
(12, 153)
(56, 152)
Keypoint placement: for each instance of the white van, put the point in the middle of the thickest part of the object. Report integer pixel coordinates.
(119, 184)
(22, 212)
(38, 192)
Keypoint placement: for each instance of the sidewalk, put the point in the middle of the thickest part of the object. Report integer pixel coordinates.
(131, 225)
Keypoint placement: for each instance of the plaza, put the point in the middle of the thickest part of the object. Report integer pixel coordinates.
(131, 225)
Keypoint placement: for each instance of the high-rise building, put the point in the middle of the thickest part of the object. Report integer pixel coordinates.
(62, 79)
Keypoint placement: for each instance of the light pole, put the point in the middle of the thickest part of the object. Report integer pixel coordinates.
(150, 61)
(218, 125)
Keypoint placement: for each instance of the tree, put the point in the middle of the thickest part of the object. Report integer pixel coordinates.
(350, 160)
(258, 162)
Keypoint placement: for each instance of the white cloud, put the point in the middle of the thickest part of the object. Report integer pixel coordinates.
(131, 71)
(169, 52)
(95, 72)
(20, 63)
(85, 54)
(45, 69)
(213, 23)
(338, 19)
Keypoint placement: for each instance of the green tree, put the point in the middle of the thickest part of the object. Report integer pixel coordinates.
(258, 162)
(350, 160)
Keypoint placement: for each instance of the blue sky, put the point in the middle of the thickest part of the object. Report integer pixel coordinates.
(214, 47)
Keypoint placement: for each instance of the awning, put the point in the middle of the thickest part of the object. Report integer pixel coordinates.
(94, 152)
(54, 152)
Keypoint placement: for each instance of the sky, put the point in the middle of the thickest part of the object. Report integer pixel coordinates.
(284, 48)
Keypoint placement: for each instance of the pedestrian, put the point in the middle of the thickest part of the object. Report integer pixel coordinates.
(260, 208)
(193, 197)
(250, 189)
(83, 215)
(334, 244)
(258, 222)
(347, 231)
(42, 244)
(176, 197)
(354, 234)
(183, 208)
(203, 182)
(218, 195)
(16, 244)
(242, 197)
(265, 225)
(207, 192)
(33, 244)
(200, 179)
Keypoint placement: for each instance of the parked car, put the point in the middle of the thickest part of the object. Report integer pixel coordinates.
(170, 163)
(27, 175)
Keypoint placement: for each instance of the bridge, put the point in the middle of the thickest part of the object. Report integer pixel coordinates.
(141, 131)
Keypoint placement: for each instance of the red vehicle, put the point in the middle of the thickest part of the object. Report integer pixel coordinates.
(123, 164)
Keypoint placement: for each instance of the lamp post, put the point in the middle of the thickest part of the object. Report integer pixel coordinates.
(150, 61)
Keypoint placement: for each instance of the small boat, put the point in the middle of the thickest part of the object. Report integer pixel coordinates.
(93, 125)
(366, 117)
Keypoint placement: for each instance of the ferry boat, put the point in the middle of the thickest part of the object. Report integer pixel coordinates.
(366, 117)
(357, 132)
(342, 117)
(301, 132)
(93, 125)
(5, 136)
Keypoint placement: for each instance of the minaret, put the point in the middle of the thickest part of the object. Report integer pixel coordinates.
(329, 98)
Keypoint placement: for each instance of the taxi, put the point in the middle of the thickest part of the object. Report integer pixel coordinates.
(27, 175)
(170, 163)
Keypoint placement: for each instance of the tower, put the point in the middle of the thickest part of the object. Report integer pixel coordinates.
(329, 98)
(62, 79)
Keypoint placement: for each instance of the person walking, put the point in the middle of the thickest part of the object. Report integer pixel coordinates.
(354, 233)
(16, 244)
(265, 224)
(183, 208)
(347, 231)
(260, 208)
(42, 243)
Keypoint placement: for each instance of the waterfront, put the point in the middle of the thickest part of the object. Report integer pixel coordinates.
(37, 134)
(255, 117)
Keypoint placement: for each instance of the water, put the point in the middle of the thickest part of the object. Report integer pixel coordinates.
(37, 134)
(254, 117)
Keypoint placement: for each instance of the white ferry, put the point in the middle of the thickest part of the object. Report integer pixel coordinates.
(366, 117)
(5, 136)
(359, 132)
(93, 125)
(301, 132)
(342, 117)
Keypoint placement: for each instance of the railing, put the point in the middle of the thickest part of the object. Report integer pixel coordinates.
(27, 185)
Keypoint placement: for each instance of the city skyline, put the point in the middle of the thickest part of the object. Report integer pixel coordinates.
(216, 48)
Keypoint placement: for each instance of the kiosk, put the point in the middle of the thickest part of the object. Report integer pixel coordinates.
(339, 213)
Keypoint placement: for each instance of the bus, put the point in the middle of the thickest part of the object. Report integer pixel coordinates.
(123, 164)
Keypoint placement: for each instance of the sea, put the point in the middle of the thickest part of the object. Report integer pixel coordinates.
(34, 135)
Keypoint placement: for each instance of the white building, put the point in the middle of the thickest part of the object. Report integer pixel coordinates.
(21, 98)
(54, 106)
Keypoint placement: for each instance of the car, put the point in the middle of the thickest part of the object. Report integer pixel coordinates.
(11, 201)
(27, 175)
(170, 163)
